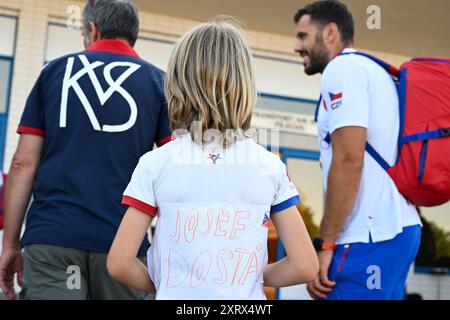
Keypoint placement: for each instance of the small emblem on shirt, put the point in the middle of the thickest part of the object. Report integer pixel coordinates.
(214, 157)
(336, 99)
(266, 219)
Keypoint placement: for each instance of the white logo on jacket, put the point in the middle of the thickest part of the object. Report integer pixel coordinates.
(71, 81)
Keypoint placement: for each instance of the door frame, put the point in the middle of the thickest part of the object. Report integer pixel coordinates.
(4, 134)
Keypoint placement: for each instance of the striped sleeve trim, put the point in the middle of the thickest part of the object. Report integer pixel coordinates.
(285, 204)
(31, 130)
(141, 206)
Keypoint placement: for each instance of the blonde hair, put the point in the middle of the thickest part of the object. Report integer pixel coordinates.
(210, 79)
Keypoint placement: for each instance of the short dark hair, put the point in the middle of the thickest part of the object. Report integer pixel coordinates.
(113, 19)
(327, 11)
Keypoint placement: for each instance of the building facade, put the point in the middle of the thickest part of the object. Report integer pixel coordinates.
(33, 32)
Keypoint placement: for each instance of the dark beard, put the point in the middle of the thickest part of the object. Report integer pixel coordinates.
(318, 57)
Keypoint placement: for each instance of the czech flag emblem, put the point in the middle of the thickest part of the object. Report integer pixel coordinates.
(335, 96)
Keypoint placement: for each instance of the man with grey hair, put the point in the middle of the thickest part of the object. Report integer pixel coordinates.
(89, 118)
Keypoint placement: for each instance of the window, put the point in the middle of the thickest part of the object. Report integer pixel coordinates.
(8, 26)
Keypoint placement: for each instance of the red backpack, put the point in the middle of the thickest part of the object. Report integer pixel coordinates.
(422, 170)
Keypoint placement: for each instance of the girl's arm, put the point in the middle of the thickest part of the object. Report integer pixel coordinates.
(122, 263)
(300, 264)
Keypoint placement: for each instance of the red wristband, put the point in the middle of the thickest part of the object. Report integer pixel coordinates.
(328, 246)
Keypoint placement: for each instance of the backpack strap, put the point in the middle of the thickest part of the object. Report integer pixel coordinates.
(393, 71)
(370, 150)
(435, 134)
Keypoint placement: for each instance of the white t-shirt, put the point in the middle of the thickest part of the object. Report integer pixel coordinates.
(213, 208)
(358, 92)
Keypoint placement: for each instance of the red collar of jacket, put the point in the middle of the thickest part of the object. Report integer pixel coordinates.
(113, 46)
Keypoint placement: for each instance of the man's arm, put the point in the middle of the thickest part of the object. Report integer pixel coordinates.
(19, 186)
(17, 196)
(344, 177)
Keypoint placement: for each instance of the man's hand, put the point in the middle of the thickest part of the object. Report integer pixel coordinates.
(17, 197)
(321, 285)
(10, 264)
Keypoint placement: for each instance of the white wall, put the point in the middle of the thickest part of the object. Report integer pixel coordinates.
(155, 51)
(61, 41)
(286, 78)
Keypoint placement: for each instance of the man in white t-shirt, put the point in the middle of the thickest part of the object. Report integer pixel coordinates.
(369, 234)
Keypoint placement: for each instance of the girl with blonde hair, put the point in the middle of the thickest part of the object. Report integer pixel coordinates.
(213, 188)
